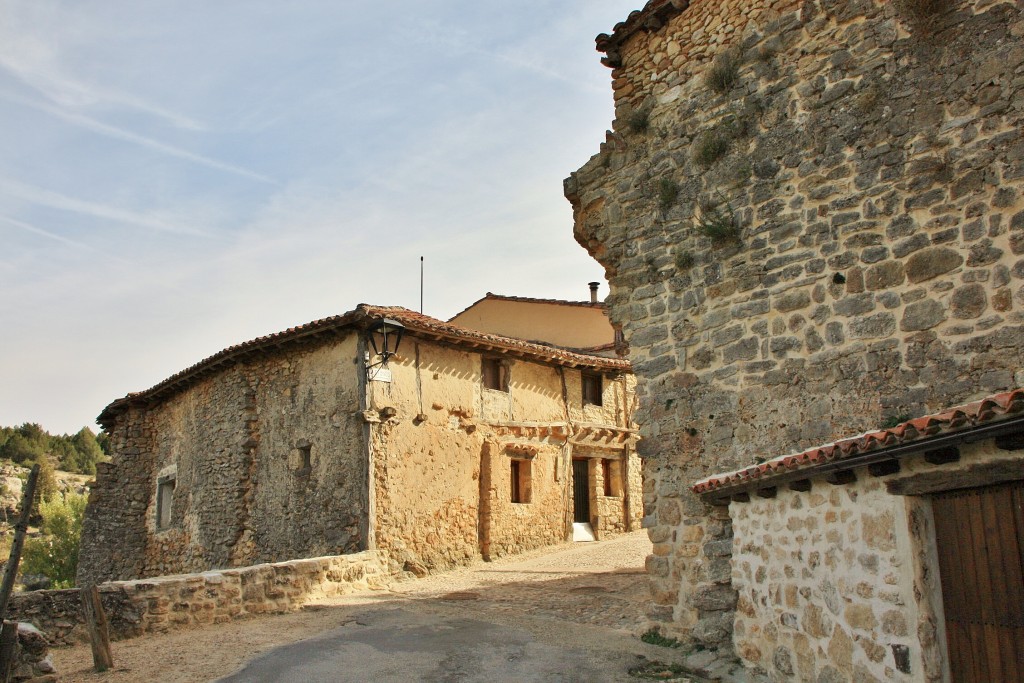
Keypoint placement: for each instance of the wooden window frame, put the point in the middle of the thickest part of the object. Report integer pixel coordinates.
(588, 382)
(520, 472)
(494, 374)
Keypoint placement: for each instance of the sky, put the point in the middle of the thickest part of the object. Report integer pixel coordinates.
(180, 176)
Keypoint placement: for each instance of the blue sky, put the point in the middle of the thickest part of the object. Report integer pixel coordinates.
(177, 177)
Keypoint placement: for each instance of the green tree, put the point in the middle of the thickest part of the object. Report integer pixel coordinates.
(55, 552)
(88, 452)
(20, 449)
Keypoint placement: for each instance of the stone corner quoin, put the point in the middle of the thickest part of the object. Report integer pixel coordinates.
(811, 215)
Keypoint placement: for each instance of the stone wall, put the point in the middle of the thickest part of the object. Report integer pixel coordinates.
(243, 491)
(160, 604)
(840, 582)
(811, 215)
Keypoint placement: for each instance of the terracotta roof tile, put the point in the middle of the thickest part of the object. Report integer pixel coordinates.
(653, 15)
(963, 418)
(490, 296)
(415, 323)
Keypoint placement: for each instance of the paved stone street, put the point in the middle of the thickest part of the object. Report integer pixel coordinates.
(564, 614)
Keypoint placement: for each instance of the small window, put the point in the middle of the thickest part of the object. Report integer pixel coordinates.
(611, 472)
(592, 389)
(495, 374)
(306, 457)
(520, 481)
(164, 501)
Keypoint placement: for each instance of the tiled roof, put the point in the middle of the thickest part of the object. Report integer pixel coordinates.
(654, 15)
(490, 296)
(917, 434)
(362, 316)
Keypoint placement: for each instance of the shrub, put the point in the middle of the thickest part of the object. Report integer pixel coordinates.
(923, 14)
(724, 72)
(709, 148)
(717, 222)
(684, 260)
(668, 193)
(639, 120)
(55, 553)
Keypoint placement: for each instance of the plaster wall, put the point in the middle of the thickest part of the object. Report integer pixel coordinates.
(443, 447)
(872, 167)
(574, 327)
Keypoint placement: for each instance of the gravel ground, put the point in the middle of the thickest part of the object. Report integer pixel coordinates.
(600, 586)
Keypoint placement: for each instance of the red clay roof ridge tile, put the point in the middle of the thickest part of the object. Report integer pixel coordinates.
(988, 410)
(362, 315)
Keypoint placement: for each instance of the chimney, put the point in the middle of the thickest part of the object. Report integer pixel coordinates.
(593, 291)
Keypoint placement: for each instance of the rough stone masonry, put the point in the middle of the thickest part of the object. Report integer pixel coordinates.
(811, 216)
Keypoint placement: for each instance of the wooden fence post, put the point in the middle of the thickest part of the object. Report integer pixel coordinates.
(99, 632)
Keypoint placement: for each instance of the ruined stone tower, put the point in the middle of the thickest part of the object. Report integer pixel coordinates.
(811, 215)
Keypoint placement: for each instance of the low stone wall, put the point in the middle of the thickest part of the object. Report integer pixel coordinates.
(163, 603)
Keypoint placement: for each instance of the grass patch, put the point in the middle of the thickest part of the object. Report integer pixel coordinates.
(654, 637)
(668, 193)
(724, 72)
(710, 147)
(658, 671)
(895, 420)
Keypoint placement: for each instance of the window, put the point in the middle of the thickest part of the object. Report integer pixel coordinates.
(306, 457)
(611, 472)
(592, 389)
(520, 481)
(495, 374)
(164, 501)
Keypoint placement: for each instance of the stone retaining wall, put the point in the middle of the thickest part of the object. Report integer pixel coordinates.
(163, 603)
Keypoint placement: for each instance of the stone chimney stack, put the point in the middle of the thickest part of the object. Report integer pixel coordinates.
(593, 291)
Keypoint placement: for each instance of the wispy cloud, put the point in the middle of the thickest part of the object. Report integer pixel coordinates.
(95, 126)
(45, 233)
(55, 200)
(36, 59)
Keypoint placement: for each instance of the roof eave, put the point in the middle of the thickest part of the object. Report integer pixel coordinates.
(721, 495)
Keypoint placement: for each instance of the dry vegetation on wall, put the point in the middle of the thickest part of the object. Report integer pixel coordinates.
(845, 245)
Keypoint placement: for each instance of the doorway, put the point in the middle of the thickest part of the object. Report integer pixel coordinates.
(581, 491)
(979, 536)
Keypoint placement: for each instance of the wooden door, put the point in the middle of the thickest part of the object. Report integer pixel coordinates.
(980, 540)
(581, 491)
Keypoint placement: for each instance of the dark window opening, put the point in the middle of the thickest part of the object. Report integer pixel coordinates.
(495, 374)
(606, 472)
(306, 457)
(592, 390)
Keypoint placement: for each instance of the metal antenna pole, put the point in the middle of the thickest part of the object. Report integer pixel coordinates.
(421, 285)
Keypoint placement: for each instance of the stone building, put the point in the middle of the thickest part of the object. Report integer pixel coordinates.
(466, 444)
(810, 213)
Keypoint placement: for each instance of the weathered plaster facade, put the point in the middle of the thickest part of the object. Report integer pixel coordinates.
(870, 169)
(285, 447)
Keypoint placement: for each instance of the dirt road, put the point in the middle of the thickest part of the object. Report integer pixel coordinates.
(585, 598)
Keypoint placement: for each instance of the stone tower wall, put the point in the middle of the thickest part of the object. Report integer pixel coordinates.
(870, 164)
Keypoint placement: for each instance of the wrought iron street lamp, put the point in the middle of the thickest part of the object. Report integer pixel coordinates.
(385, 336)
